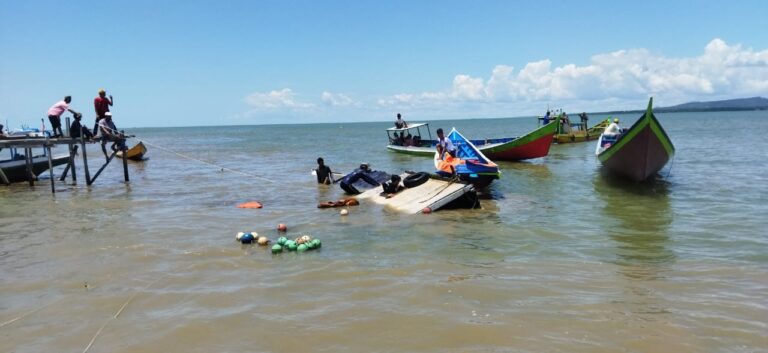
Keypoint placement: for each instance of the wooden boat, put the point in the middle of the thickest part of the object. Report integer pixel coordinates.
(640, 151)
(15, 169)
(478, 169)
(434, 194)
(416, 145)
(568, 132)
(135, 153)
(535, 144)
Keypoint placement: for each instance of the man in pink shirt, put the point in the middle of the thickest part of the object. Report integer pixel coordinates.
(101, 105)
(54, 115)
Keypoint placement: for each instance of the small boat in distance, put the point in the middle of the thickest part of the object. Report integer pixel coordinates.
(135, 153)
(638, 152)
(477, 169)
(568, 132)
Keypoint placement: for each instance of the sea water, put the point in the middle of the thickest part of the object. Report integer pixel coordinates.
(560, 257)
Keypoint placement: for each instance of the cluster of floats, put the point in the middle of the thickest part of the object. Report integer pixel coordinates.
(636, 153)
(13, 168)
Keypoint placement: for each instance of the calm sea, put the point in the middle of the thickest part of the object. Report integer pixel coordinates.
(559, 259)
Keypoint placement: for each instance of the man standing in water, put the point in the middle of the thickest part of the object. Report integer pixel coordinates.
(324, 173)
(54, 115)
(101, 105)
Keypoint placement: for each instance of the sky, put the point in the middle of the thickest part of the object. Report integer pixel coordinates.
(192, 63)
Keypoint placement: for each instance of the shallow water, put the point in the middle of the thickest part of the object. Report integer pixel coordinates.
(560, 258)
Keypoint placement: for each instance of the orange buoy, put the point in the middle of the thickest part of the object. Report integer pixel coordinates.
(282, 227)
(251, 204)
(426, 210)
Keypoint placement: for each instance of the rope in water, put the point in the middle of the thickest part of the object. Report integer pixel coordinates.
(222, 168)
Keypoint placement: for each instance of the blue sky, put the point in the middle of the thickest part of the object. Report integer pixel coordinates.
(257, 62)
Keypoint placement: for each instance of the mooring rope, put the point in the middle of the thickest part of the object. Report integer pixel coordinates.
(222, 168)
(26, 314)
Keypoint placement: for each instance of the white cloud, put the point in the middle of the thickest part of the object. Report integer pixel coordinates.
(631, 75)
(275, 100)
(337, 99)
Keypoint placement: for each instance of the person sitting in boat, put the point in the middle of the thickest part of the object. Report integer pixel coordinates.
(447, 166)
(613, 130)
(443, 144)
(392, 186)
(400, 123)
(324, 173)
(395, 139)
(408, 140)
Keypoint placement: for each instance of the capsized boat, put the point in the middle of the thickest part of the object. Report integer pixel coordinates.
(640, 151)
(362, 179)
(534, 144)
(15, 168)
(475, 168)
(135, 153)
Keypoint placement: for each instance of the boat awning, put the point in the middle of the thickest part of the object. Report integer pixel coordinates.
(410, 126)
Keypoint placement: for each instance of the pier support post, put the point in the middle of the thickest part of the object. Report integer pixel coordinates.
(50, 168)
(125, 158)
(85, 162)
(28, 161)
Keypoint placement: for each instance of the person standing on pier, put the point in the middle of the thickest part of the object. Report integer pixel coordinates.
(54, 115)
(101, 105)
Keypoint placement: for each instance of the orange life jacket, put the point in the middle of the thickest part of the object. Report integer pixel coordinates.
(448, 162)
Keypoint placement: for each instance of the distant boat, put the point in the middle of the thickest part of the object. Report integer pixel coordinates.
(135, 153)
(640, 151)
(534, 144)
(569, 132)
(15, 168)
(478, 169)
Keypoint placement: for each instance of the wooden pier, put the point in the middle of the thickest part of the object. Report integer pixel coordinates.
(28, 143)
(436, 193)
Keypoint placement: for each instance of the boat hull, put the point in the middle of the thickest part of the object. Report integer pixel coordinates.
(536, 144)
(135, 153)
(16, 170)
(414, 151)
(641, 152)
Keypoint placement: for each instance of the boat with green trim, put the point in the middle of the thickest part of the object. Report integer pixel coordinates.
(534, 144)
(638, 152)
(474, 167)
(568, 132)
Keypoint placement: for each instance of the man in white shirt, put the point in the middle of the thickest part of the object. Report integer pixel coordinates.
(444, 144)
(613, 129)
(400, 123)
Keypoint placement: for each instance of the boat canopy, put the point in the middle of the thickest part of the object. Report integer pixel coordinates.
(410, 126)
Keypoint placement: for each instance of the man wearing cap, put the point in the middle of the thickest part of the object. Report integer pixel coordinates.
(613, 129)
(54, 115)
(108, 132)
(101, 105)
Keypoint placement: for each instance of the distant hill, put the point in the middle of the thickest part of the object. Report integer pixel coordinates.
(754, 103)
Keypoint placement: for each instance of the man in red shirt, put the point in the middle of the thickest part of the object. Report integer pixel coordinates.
(101, 104)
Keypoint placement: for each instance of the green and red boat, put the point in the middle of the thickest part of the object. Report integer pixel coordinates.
(535, 144)
(638, 152)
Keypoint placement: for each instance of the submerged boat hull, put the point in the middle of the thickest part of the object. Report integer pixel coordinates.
(532, 145)
(640, 152)
(16, 170)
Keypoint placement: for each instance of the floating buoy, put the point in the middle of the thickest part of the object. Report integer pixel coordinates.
(251, 204)
(316, 243)
(291, 245)
(426, 210)
(247, 238)
(262, 240)
(239, 235)
(277, 249)
(303, 239)
(282, 240)
(282, 227)
(302, 248)
(344, 212)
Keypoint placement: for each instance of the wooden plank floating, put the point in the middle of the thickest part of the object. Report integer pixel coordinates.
(434, 194)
